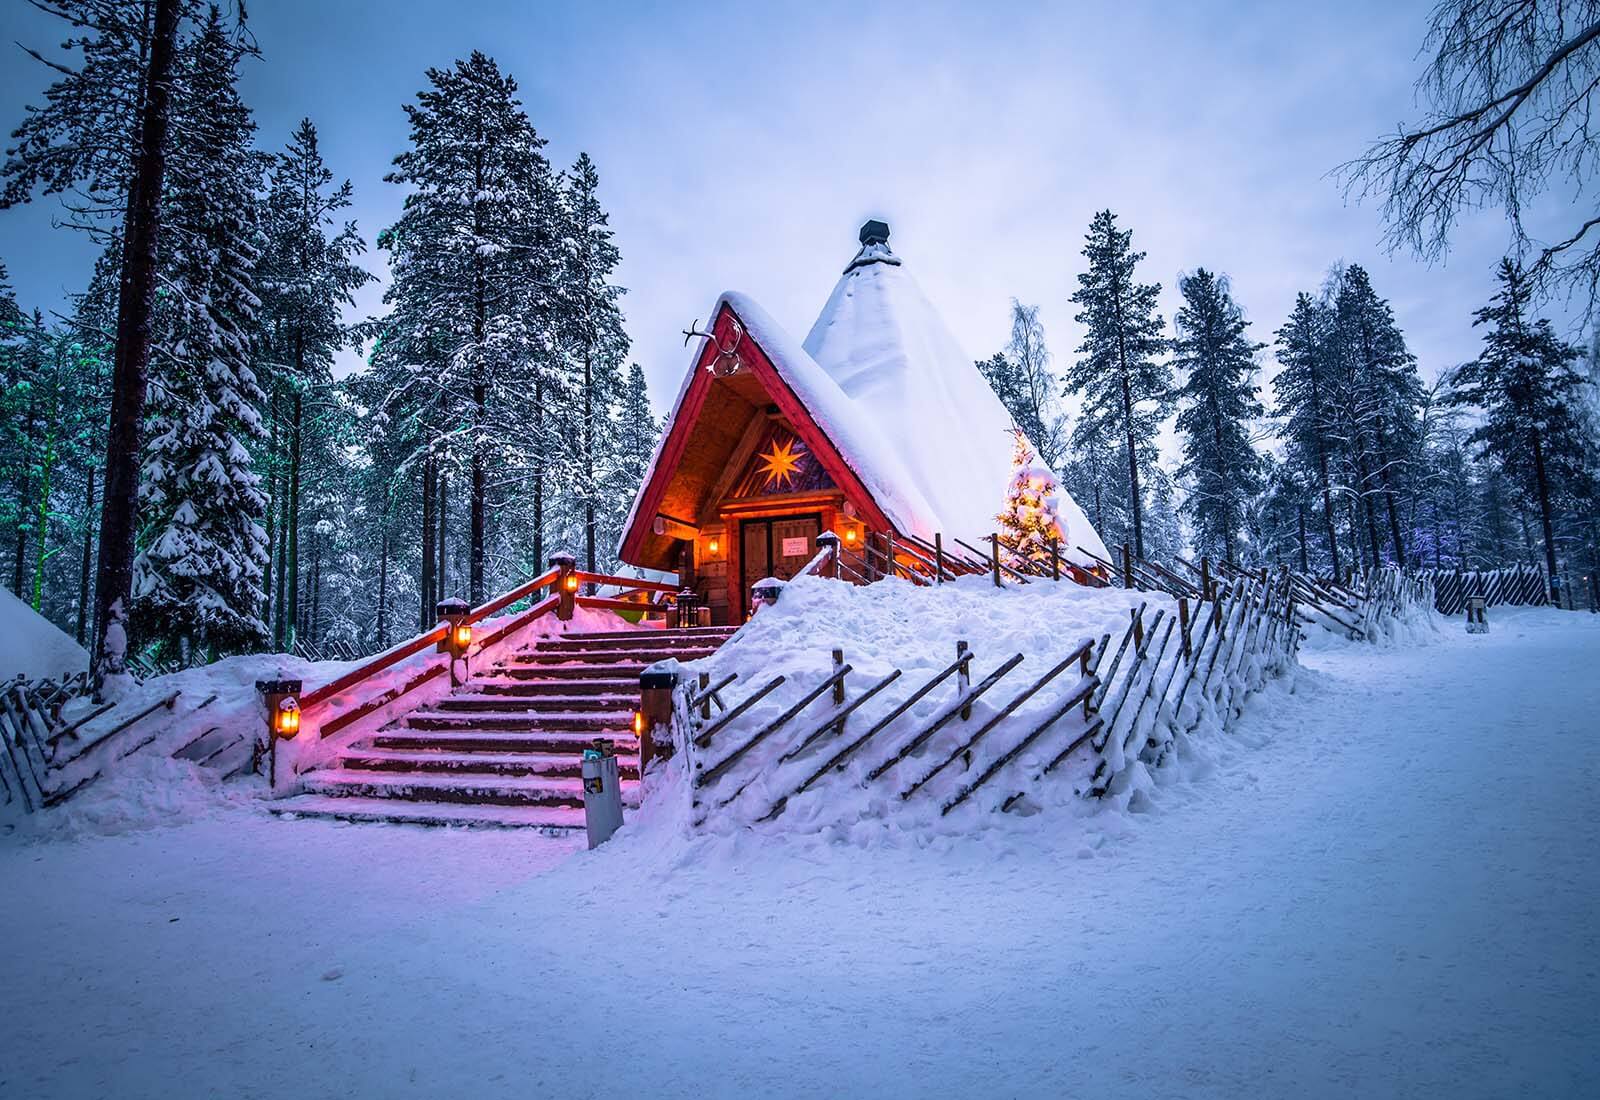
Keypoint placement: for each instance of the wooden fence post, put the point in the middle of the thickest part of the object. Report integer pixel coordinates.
(838, 685)
(1055, 559)
(963, 678)
(1205, 579)
(1183, 624)
(1127, 566)
(994, 557)
(938, 557)
(705, 700)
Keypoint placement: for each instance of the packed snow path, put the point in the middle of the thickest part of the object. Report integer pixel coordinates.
(1388, 886)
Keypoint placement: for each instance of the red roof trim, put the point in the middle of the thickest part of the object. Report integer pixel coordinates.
(688, 413)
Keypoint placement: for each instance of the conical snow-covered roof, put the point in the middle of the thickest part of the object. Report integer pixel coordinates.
(883, 343)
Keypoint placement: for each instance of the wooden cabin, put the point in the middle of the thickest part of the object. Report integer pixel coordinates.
(878, 424)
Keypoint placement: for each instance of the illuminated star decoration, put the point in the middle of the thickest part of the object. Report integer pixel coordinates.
(780, 463)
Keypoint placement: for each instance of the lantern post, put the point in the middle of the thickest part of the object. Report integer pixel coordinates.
(829, 541)
(566, 567)
(457, 638)
(656, 685)
(282, 698)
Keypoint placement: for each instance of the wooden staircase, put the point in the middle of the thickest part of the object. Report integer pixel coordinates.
(506, 748)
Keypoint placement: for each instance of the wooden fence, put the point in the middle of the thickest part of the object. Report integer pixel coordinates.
(1520, 585)
(46, 756)
(1104, 704)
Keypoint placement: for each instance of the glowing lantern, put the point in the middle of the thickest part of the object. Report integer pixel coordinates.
(638, 723)
(714, 546)
(463, 637)
(286, 721)
(850, 535)
(571, 582)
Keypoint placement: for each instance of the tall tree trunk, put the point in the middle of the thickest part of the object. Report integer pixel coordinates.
(280, 600)
(1133, 469)
(1305, 561)
(1542, 481)
(425, 587)
(314, 618)
(291, 527)
(383, 587)
(441, 586)
(538, 470)
(270, 605)
(478, 522)
(135, 299)
(47, 468)
(19, 578)
(88, 557)
(588, 462)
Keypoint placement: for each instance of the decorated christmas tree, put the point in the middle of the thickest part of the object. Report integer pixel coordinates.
(1030, 529)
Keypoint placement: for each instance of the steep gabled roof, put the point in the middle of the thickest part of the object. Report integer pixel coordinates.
(885, 398)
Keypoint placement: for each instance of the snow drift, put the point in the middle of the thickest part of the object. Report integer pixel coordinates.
(1023, 748)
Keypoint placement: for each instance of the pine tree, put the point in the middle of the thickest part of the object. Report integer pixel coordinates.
(470, 262)
(637, 429)
(1306, 407)
(1217, 401)
(197, 583)
(1030, 525)
(1529, 390)
(1381, 397)
(591, 321)
(1126, 391)
(307, 274)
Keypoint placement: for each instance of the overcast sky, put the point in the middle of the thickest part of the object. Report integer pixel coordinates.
(740, 146)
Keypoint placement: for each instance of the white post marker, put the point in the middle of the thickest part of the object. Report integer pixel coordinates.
(602, 793)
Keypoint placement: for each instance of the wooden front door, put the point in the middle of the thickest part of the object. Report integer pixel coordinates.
(779, 547)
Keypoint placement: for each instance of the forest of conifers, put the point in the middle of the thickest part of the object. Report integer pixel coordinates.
(184, 475)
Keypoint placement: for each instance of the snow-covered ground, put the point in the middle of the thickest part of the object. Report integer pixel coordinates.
(1387, 885)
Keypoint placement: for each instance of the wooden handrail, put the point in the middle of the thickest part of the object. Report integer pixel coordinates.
(631, 583)
(500, 603)
(412, 646)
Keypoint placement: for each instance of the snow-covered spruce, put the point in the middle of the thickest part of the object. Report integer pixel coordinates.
(197, 583)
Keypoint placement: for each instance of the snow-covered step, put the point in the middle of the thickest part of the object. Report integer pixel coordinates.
(606, 670)
(552, 819)
(718, 634)
(543, 702)
(509, 790)
(607, 657)
(624, 687)
(506, 748)
(494, 740)
(458, 762)
(599, 722)
(622, 644)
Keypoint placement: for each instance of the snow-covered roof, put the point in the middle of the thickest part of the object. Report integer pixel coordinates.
(886, 347)
(905, 407)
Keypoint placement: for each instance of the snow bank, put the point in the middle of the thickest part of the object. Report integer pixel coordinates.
(33, 646)
(882, 627)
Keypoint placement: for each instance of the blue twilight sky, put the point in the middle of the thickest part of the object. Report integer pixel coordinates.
(740, 146)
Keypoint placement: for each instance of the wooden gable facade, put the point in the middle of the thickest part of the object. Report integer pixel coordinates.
(744, 481)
